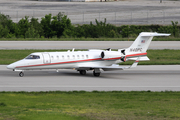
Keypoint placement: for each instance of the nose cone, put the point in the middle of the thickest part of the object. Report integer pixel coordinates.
(16, 64)
(11, 66)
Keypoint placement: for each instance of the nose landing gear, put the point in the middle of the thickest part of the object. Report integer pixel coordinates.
(21, 74)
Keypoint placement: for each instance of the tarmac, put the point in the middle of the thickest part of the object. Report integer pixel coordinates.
(141, 78)
(6, 45)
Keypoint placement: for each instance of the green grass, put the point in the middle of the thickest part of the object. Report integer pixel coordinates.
(80, 105)
(157, 57)
(88, 39)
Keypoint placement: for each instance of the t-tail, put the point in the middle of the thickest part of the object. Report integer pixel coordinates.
(139, 47)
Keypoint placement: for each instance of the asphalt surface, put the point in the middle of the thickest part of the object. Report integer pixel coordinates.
(154, 78)
(83, 44)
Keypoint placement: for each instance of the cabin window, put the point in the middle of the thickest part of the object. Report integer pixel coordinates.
(68, 56)
(82, 56)
(73, 56)
(57, 57)
(62, 56)
(77, 56)
(33, 57)
(52, 57)
(87, 56)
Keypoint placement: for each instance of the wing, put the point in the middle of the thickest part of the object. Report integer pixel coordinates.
(108, 68)
(105, 68)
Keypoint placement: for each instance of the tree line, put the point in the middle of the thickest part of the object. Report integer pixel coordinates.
(59, 26)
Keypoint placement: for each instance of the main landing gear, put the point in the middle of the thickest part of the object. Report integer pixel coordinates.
(21, 74)
(96, 72)
(82, 72)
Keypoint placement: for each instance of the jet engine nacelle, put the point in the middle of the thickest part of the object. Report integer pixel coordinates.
(110, 55)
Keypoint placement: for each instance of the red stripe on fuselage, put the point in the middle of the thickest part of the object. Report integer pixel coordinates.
(60, 63)
(139, 54)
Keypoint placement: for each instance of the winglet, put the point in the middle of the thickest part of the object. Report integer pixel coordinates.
(135, 63)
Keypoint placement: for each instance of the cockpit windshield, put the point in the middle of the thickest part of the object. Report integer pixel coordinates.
(33, 57)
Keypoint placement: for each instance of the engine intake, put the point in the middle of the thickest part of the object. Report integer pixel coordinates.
(102, 55)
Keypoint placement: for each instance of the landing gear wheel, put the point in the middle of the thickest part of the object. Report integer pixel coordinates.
(96, 74)
(21, 74)
(82, 72)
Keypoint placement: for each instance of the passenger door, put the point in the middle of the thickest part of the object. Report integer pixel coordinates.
(46, 58)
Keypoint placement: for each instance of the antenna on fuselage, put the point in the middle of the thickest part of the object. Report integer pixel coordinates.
(73, 49)
(109, 49)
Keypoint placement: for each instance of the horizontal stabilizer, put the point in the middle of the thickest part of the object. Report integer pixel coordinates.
(153, 34)
(144, 58)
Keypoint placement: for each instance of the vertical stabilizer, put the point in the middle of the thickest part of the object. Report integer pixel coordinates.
(142, 42)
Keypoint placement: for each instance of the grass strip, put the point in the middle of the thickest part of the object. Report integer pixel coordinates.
(81, 105)
(87, 39)
(157, 57)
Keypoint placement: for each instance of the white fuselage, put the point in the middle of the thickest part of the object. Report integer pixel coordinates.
(67, 60)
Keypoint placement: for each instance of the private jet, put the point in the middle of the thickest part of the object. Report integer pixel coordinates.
(96, 60)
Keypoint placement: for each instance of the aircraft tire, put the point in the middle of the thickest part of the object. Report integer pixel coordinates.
(96, 74)
(82, 72)
(21, 74)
